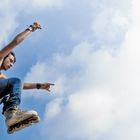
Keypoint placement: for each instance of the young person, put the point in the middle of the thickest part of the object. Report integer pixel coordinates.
(11, 88)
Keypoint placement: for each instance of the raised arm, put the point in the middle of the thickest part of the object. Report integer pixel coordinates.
(18, 39)
(45, 86)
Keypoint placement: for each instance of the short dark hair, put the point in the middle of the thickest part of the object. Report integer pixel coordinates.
(12, 53)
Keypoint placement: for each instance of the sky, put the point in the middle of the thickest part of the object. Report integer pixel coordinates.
(90, 50)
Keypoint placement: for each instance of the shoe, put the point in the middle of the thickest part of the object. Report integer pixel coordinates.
(15, 115)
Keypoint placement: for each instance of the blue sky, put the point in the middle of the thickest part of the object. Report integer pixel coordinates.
(90, 50)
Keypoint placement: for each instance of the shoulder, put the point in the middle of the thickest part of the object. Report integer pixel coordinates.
(2, 76)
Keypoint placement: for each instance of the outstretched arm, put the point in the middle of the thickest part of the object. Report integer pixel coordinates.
(18, 39)
(45, 86)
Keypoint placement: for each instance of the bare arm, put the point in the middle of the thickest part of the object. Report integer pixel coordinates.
(45, 86)
(18, 39)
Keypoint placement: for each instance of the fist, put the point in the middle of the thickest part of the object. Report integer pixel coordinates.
(36, 25)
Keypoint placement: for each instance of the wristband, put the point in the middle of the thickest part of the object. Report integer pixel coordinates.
(31, 28)
(38, 85)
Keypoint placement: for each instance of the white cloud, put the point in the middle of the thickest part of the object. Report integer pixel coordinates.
(8, 21)
(50, 3)
(98, 94)
(36, 73)
(94, 109)
(34, 5)
(54, 109)
(109, 25)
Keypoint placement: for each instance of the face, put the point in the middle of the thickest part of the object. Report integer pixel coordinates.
(8, 62)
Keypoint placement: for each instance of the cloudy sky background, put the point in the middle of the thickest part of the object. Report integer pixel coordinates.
(90, 50)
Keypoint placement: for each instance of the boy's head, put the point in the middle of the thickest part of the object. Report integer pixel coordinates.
(8, 61)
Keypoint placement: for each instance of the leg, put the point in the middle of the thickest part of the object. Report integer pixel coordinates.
(15, 118)
(11, 86)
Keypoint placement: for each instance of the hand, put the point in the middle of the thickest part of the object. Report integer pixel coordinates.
(36, 25)
(46, 86)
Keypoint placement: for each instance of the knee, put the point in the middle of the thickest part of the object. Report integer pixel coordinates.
(15, 80)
